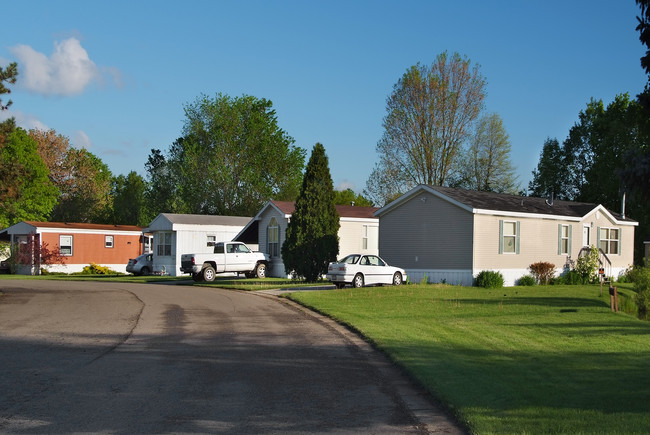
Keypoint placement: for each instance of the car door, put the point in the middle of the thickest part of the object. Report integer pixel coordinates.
(377, 272)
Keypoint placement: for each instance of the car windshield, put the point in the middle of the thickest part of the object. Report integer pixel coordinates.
(350, 259)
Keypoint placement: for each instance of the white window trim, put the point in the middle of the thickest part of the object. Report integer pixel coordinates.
(109, 244)
(617, 240)
(517, 236)
(71, 245)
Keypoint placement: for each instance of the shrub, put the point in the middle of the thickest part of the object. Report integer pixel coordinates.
(526, 280)
(588, 265)
(642, 289)
(489, 279)
(96, 269)
(570, 278)
(542, 271)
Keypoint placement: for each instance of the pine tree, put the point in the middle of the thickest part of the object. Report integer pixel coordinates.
(312, 235)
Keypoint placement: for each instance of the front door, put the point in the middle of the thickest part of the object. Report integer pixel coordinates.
(585, 235)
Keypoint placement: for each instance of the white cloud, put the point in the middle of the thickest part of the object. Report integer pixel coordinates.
(24, 120)
(81, 140)
(68, 70)
(345, 185)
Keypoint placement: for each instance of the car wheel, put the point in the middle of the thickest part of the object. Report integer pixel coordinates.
(197, 277)
(397, 278)
(144, 271)
(358, 280)
(260, 270)
(208, 273)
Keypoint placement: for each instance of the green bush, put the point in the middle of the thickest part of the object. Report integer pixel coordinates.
(571, 277)
(641, 277)
(489, 279)
(587, 266)
(526, 280)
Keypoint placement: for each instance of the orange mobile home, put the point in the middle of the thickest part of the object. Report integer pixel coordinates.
(81, 244)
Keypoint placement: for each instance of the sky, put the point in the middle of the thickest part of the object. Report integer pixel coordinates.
(115, 76)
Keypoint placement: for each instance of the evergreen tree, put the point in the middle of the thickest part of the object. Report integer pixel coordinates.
(312, 235)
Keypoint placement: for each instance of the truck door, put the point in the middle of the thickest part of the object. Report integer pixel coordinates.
(235, 260)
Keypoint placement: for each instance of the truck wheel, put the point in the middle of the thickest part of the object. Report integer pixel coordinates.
(260, 270)
(197, 277)
(208, 273)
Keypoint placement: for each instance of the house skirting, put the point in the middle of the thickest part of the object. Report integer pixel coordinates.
(449, 276)
(68, 268)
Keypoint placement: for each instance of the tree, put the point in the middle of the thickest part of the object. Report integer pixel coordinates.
(549, 178)
(488, 166)
(429, 115)
(233, 157)
(129, 203)
(312, 234)
(87, 198)
(8, 75)
(26, 193)
(348, 197)
(161, 193)
(644, 36)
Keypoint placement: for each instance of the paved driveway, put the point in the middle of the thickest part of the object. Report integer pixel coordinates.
(134, 358)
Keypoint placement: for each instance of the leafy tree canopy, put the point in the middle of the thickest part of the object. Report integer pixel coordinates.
(7, 75)
(232, 158)
(347, 197)
(26, 192)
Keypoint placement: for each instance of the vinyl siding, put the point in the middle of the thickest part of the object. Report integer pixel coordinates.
(427, 233)
(351, 237)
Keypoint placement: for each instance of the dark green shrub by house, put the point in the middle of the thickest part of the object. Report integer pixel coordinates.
(526, 280)
(489, 279)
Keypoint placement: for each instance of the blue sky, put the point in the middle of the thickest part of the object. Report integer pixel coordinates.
(114, 76)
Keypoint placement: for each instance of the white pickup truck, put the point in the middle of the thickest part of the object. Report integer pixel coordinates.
(227, 257)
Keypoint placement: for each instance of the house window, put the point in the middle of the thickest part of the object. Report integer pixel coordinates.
(609, 240)
(564, 239)
(212, 240)
(273, 233)
(364, 237)
(509, 237)
(65, 245)
(108, 241)
(164, 244)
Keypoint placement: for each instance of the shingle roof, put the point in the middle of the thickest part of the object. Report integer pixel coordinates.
(84, 226)
(348, 211)
(518, 204)
(204, 219)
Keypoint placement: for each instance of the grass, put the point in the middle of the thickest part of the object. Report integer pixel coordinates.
(542, 359)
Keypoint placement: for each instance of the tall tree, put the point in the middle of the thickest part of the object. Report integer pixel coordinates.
(550, 176)
(162, 186)
(8, 75)
(129, 203)
(312, 234)
(488, 166)
(233, 157)
(26, 192)
(429, 114)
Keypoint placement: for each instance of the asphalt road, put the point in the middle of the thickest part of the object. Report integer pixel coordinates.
(137, 358)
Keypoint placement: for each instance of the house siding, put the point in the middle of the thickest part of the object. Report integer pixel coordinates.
(276, 266)
(351, 237)
(437, 236)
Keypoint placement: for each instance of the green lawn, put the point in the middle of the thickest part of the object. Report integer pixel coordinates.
(543, 359)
